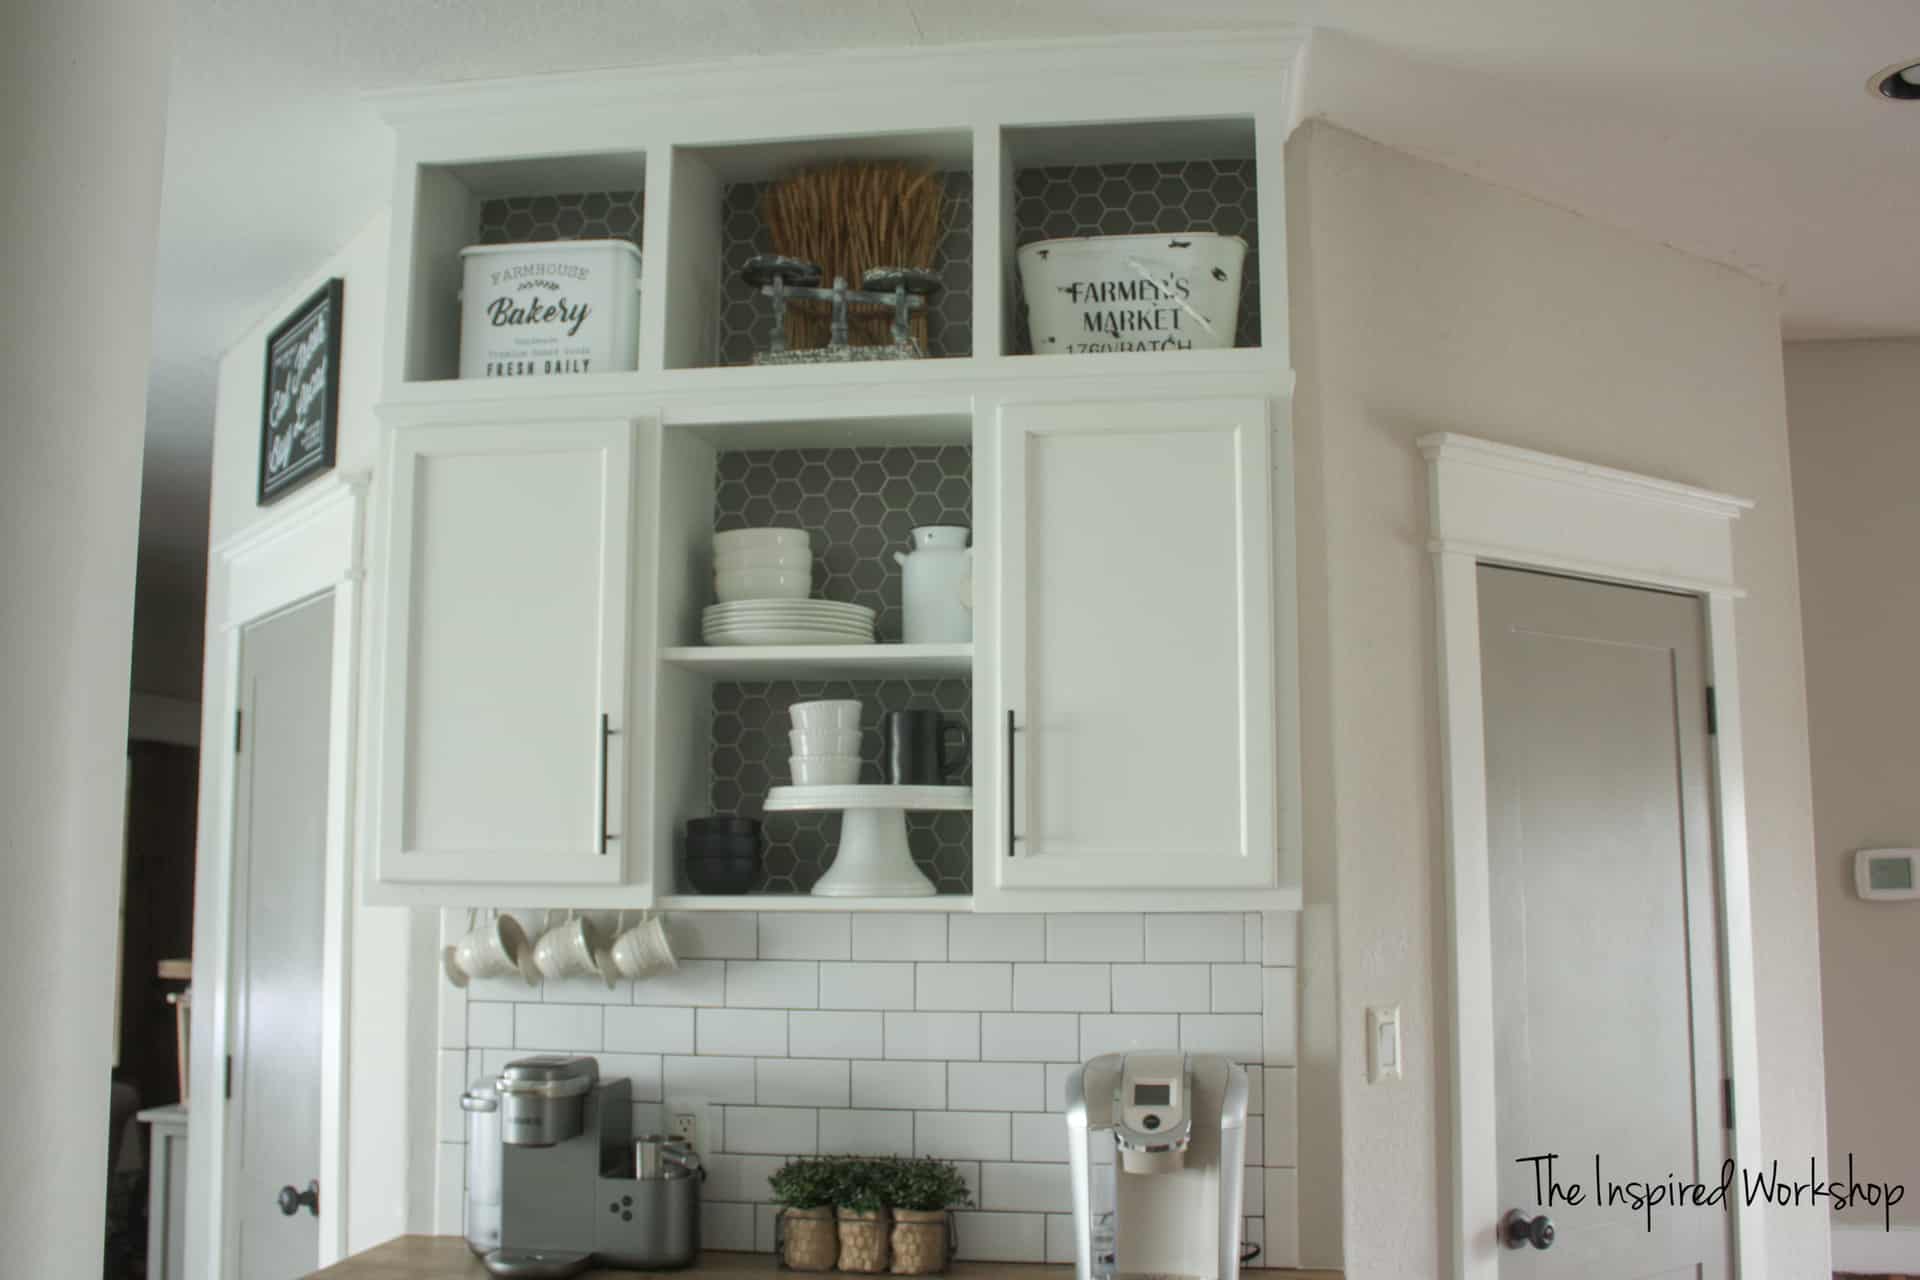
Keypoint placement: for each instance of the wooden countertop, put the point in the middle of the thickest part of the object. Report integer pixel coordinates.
(448, 1258)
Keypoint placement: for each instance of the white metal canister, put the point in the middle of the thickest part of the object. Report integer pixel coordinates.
(561, 306)
(1133, 293)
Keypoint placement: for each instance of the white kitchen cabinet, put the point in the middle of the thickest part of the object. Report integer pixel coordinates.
(504, 717)
(1137, 712)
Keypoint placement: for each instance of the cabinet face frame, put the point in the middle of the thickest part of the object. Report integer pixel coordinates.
(1258, 862)
(397, 863)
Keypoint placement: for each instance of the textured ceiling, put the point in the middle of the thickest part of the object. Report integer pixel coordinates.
(1738, 130)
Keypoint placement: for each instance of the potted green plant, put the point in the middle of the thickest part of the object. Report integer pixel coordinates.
(922, 1192)
(862, 1202)
(807, 1190)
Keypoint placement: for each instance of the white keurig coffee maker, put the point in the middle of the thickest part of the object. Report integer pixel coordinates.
(1175, 1128)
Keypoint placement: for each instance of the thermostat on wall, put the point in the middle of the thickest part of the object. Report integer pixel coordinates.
(1887, 873)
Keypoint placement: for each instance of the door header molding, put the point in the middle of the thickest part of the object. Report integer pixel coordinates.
(1493, 503)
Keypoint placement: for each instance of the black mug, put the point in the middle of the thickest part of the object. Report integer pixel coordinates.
(917, 748)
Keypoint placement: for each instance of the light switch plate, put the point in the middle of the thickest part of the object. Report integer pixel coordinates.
(1383, 1043)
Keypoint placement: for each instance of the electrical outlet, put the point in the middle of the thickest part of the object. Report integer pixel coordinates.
(686, 1121)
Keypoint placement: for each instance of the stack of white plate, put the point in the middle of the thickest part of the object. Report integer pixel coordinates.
(745, 622)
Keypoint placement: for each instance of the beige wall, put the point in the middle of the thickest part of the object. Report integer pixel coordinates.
(1854, 415)
(1427, 300)
(83, 92)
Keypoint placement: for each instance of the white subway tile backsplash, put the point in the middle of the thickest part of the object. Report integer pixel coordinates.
(812, 1034)
(766, 1228)
(1283, 1117)
(1001, 1237)
(1254, 1233)
(805, 935)
(803, 1082)
(1058, 1074)
(866, 1133)
(715, 935)
(910, 1085)
(997, 938)
(741, 1032)
(650, 1030)
(726, 1226)
(1280, 934)
(899, 935)
(1196, 936)
(1122, 1032)
(1237, 988)
(641, 1069)
(1162, 988)
(1026, 1187)
(1061, 1249)
(709, 1080)
(489, 1025)
(1116, 938)
(861, 985)
(1255, 940)
(773, 1131)
(1256, 1092)
(1282, 1217)
(557, 1027)
(943, 1036)
(695, 982)
(1255, 1143)
(963, 986)
(1236, 1035)
(1062, 988)
(1279, 1029)
(773, 984)
(963, 1135)
(1254, 1188)
(1040, 1138)
(1030, 1037)
(579, 990)
(996, 1086)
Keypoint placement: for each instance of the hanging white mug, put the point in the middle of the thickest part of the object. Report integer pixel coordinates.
(495, 947)
(644, 950)
(567, 949)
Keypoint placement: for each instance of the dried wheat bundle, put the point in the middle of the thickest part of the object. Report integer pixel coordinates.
(851, 217)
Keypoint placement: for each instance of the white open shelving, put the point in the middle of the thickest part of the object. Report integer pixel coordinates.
(825, 662)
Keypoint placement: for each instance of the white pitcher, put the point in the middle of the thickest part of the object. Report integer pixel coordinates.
(937, 586)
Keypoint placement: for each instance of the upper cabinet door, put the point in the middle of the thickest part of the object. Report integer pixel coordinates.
(1136, 646)
(503, 717)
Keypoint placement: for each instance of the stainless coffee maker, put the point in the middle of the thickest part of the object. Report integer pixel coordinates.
(1157, 1143)
(576, 1190)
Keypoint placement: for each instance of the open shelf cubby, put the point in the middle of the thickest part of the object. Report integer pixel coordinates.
(582, 197)
(718, 224)
(860, 488)
(1162, 177)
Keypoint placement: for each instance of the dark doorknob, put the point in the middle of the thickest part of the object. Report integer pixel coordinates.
(291, 1200)
(1518, 1231)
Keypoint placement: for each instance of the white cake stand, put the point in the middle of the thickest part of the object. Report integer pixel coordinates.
(873, 860)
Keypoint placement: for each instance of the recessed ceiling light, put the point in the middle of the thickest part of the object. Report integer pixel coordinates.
(1901, 82)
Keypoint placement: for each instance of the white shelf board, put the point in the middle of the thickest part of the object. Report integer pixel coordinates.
(830, 799)
(943, 902)
(824, 661)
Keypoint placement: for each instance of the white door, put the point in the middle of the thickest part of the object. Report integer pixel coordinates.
(1605, 920)
(505, 702)
(280, 856)
(1136, 646)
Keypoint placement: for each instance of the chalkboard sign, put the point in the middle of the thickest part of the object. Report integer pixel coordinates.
(300, 411)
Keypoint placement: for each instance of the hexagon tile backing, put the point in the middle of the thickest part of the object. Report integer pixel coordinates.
(746, 320)
(750, 750)
(1136, 199)
(596, 215)
(862, 505)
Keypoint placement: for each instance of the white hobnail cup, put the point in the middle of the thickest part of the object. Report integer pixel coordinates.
(824, 771)
(824, 742)
(826, 715)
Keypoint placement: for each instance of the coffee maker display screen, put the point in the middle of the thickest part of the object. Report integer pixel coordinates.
(1152, 1095)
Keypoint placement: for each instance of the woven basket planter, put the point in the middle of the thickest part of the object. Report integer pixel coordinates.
(919, 1241)
(863, 1240)
(808, 1239)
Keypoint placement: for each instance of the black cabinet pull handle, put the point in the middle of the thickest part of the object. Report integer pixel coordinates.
(606, 733)
(1012, 773)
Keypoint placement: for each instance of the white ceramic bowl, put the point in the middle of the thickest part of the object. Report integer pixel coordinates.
(760, 539)
(824, 742)
(824, 771)
(1133, 293)
(775, 556)
(832, 713)
(762, 584)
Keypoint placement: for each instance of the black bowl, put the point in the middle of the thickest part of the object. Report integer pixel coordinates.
(723, 854)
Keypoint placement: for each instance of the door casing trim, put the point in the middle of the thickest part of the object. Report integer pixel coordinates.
(1492, 503)
(312, 548)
